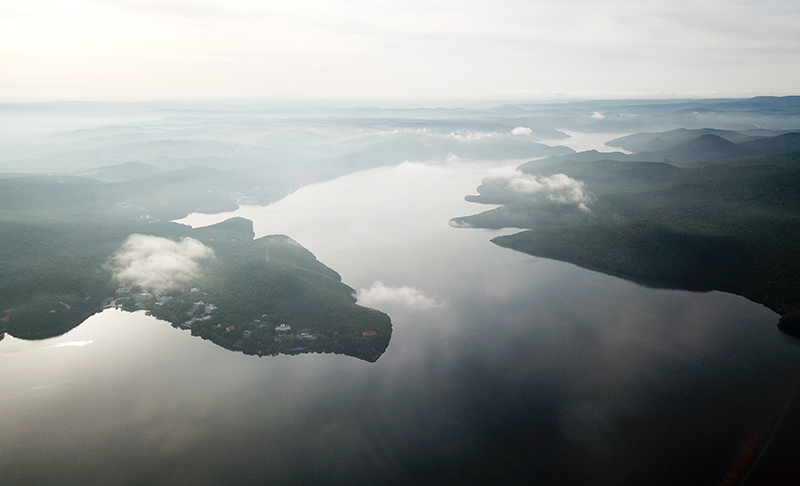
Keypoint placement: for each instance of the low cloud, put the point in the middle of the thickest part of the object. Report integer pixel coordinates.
(458, 223)
(516, 186)
(521, 131)
(158, 264)
(597, 115)
(459, 135)
(470, 136)
(452, 158)
(379, 293)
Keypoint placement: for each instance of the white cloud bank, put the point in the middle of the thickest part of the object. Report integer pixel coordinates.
(158, 264)
(167, 49)
(516, 186)
(521, 131)
(379, 293)
(458, 135)
(471, 136)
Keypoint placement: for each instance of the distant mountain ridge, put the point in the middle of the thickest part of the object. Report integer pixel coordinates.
(649, 142)
(687, 148)
(128, 171)
(705, 148)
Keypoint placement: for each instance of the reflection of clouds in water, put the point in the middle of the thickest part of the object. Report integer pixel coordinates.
(168, 426)
(520, 362)
(379, 293)
(618, 360)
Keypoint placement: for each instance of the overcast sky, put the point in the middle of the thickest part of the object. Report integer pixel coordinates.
(500, 49)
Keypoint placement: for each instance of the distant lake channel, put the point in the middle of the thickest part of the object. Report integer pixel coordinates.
(503, 368)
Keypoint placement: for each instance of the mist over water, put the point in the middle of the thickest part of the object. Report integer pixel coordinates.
(502, 368)
(580, 142)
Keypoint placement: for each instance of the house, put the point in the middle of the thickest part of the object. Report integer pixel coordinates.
(163, 300)
(247, 333)
(369, 333)
(142, 296)
(230, 328)
(283, 328)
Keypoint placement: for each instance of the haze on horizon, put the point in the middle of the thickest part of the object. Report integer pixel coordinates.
(513, 49)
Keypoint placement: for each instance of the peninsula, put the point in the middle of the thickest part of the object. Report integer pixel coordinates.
(72, 246)
(700, 213)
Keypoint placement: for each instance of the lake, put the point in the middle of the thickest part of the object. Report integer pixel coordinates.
(502, 368)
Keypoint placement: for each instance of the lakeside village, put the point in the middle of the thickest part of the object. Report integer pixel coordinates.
(262, 336)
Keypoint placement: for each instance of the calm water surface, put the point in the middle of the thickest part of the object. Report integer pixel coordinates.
(502, 368)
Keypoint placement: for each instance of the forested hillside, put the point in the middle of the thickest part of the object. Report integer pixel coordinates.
(71, 246)
(701, 226)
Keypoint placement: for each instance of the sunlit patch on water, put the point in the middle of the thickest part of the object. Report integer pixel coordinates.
(70, 344)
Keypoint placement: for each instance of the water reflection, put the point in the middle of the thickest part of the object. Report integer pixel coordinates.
(520, 369)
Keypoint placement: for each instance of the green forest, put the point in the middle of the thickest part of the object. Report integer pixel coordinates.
(58, 237)
(726, 224)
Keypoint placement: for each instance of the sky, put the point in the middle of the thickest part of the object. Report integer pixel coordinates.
(427, 49)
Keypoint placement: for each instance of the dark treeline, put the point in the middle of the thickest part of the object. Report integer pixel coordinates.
(58, 236)
(712, 226)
